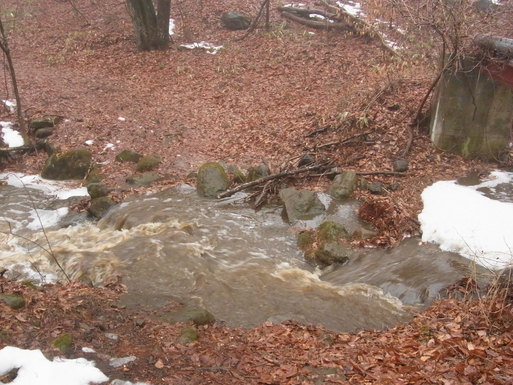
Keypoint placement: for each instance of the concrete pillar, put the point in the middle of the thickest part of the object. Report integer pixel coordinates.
(472, 114)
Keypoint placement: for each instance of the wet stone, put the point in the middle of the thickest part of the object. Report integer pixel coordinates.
(400, 165)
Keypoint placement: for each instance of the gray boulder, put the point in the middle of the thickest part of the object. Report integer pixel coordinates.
(301, 204)
(97, 190)
(343, 185)
(73, 164)
(128, 156)
(211, 180)
(235, 21)
(100, 206)
(328, 254)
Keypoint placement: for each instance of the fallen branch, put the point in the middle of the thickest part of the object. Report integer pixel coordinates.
(314, 23)
(264, 179)
(396, 173)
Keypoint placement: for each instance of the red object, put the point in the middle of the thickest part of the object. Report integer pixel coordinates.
(501, 73)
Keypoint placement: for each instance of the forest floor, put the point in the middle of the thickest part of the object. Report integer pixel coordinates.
(270, 97)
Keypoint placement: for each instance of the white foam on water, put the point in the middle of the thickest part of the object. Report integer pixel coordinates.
(58, 189)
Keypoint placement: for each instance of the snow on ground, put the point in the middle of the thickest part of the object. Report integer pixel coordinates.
(209, 47)
(11, 137)
(461, 219)
(10, 104)
(61, 190)
(35, 369)
(171, 27)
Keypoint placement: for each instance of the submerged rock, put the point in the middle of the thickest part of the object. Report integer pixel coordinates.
(331, 231)
(100, 206)
(301, 204)
(329, 253)
(73, 164)
(211, 180)
(343, 185)
(235, 21)
(197, 315)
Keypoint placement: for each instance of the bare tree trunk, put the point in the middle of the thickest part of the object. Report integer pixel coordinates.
(4, 46)
(151, 29)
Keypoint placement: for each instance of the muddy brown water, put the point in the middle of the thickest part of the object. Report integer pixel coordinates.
(241, 265)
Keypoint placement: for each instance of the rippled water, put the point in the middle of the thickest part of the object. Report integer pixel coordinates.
(241, 265)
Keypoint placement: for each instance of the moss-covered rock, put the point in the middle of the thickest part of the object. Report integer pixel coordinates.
(235, 21)
(343, 185)
(187, 335)
(73, 164)
(97, 190)
(143, 179)
(305, 240)
(301, 204)
(237, 174)
(100, 206)
(329, 253)
(95, 175)
(197, 315)
(331, 231)
(14, 301)
(43, 132)
(128, 156)
(148, 162)
(257, 172)
(212, 180)
(64, 343)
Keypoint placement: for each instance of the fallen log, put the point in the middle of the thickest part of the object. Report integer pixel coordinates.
(283, 174)
(502, 45)
(314, 23)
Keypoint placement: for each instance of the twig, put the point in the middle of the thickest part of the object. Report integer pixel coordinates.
(253, 25)
(381, 173)
(264, 179)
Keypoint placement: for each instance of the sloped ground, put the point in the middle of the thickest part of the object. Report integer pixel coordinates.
(453, 342)
(270, 97)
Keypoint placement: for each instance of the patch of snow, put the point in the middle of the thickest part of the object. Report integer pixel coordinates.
(209, 47)
(85, 349)
(61, 190)
(295, 5)
(462, 220)
(89, 142)
(171, 27)
(11, 137)
(354, 8)
(121, 382)
(10, 104)
(316, 16)
(121, 119)
(35, 369)
(109, 145)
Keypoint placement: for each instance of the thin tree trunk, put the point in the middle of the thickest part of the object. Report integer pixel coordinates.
(4, 45)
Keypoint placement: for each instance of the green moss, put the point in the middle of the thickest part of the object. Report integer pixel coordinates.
(188, 335)
(305, 240)
(14, 301)
(64, 343)
(128, 156)
(331, 231)
(148, 162)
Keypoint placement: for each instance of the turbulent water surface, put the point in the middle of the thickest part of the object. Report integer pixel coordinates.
(241, 265)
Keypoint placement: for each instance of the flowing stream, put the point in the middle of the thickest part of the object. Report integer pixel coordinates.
(241, 265)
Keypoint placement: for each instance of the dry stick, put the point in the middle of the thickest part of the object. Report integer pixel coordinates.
(264, 179)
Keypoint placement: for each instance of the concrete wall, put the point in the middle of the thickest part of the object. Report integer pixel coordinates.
(472, 114)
